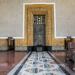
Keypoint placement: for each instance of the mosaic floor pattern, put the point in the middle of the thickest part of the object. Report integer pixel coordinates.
(40, 63)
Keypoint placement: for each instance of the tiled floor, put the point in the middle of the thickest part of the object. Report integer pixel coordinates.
(40, 63)
(8, 60)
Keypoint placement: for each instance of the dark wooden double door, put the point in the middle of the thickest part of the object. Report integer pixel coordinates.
(39, 32)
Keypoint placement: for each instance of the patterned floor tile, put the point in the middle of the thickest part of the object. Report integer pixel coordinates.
(40, 63)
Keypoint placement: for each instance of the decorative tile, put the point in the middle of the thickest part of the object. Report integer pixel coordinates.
(40, 63)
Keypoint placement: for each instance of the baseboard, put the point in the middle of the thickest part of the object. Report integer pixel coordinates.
(21, 48)
(17, 48)
(3, 48)
(58, 48)
(24, 48)
(44, 48)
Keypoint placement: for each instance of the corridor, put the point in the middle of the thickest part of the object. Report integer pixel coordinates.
(39, 63)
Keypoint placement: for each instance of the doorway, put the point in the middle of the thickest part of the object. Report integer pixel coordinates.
(39, 32)
(44, 12)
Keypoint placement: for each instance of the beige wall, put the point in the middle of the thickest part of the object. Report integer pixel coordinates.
(11, 19)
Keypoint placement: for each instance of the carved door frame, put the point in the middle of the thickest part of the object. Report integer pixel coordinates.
(37, 9)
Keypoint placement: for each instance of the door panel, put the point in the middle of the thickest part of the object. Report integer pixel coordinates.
(39, 30)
